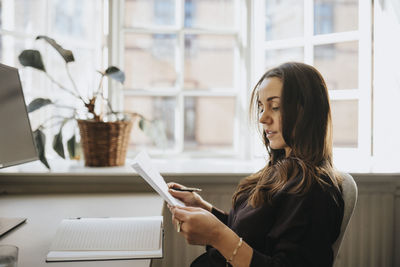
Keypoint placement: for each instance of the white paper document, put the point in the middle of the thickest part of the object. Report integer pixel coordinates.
(143, 166)
(107, 238)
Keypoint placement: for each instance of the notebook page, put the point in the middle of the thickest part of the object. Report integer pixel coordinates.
(109, 234)
(142, 165)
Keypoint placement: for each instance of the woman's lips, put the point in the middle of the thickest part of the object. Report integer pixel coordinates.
(270, 133)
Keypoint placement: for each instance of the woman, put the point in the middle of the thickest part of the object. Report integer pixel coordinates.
(289, 213)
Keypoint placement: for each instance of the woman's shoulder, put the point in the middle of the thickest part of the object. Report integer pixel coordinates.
(332, 191)
(321, 189)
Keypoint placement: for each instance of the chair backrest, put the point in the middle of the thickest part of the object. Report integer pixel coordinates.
(349, 194)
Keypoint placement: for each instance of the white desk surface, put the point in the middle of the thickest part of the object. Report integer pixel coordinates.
(45, 212)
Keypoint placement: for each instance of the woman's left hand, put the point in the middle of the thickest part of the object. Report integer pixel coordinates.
(198, 226)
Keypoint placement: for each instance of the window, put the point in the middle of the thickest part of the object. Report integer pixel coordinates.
(186, 62)
(335, 37)
(76, 25)
(191, 63)
(182, 64)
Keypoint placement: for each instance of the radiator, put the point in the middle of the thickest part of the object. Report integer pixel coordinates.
(368, 241)
(369, 238)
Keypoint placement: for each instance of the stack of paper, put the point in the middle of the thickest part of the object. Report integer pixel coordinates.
(142, 165)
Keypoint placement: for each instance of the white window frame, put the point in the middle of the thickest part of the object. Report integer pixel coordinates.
(65, 41)
(251, 49)
(116, 56)
(44, 50)
(363, 94)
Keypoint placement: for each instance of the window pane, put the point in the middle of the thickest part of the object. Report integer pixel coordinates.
(209, 14)
(209, 122)
(33, 81)
(23, 15)
(145, 13)
(279, 56)
(158, 108)
(11, 47)
(284, 19)
(76, 19)
(150, 60)
(338, 64)
(345, 123)
(209, 61)
(335, 16)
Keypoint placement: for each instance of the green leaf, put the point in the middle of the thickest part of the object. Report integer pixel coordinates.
(78, 151)
(31, 58)
(66, 54)
(141, 124)
(115, 73)
(58, 145)
(38, 103)
(71, 147)
(40, 141)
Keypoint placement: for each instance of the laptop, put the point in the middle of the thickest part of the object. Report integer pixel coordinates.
(16, 139)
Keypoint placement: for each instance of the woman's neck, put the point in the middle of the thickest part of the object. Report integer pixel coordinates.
(288, 150)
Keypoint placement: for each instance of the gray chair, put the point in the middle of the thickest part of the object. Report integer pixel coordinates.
(350, 193)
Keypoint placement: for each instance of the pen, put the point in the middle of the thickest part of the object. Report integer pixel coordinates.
(187, 189)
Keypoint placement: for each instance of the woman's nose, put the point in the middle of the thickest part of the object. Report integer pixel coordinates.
(265, 118)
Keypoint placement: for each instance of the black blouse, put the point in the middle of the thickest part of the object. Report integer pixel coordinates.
(294, 230)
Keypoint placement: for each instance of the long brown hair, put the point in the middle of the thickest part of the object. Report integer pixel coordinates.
(306, 129)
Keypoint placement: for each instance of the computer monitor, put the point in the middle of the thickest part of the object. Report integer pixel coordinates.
(16, 139)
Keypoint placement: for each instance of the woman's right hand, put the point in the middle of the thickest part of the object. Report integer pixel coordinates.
(190, 199)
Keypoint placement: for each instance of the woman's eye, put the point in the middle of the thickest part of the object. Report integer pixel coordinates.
(275, 108)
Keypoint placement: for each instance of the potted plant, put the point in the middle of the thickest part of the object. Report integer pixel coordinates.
(104, 135)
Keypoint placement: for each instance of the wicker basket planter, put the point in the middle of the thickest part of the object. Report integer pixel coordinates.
(104, 143)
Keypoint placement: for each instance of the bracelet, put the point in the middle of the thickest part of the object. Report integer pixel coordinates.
(235, 251)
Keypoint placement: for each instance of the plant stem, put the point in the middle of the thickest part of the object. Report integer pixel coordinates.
(73, 82)
(62, 87)
(67, 107)
(109, 106)
(100, 89)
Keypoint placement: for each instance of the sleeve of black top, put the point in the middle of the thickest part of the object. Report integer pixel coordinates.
(302, 234)
(221, 215)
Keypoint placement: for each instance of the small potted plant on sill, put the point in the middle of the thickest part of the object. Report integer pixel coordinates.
(104, 135)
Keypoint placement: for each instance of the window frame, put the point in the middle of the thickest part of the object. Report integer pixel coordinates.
(251, 67)
(33, 78)
(116, 46)
(364, 91)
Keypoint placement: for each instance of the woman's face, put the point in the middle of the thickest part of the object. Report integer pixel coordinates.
(269, 95)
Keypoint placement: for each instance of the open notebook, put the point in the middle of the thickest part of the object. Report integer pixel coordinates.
(107, 239)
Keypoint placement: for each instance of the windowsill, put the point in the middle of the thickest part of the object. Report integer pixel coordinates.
(209, 174)
(187, 167)
(168, 167)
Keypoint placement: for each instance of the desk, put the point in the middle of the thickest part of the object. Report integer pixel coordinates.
(45, 212)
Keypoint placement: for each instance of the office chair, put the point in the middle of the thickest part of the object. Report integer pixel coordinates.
(350, 193)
